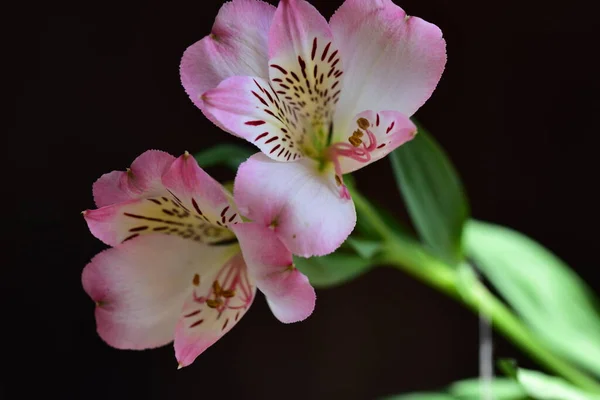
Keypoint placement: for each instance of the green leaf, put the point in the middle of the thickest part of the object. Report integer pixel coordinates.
(228, 155)
(421, 396)
(470, 389)
(545, 387)
(433, 194)
(552, 300)
(500, 388)
(366, 249)
(332, 270)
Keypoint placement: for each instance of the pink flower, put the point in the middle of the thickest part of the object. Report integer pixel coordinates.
(177, 271)
(318, 99)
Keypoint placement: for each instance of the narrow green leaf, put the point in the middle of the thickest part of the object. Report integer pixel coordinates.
(228, 155)
(332, 270)
(554, 302)
(545, 387)
(433, 194)
(500, 389)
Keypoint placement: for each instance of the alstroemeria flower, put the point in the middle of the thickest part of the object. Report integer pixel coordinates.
(177, 271)
(318, 99)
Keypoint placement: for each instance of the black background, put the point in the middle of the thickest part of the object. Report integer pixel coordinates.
(97, 83)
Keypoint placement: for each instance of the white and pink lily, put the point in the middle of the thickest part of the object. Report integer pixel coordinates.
(184, 266)
(318, 99)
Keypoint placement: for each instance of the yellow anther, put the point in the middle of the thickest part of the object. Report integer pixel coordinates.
(216, 288)
(354, 141)
(228, 293)
(358, 133)
(214, 303)
(338, 180)
(196, 280)
(363, 123)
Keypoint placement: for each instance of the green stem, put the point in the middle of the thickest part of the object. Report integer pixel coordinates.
(413, 259)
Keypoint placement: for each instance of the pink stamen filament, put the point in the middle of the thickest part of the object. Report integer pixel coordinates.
(361, 154)
(235, 277)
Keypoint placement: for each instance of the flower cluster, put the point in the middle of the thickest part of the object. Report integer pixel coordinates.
(319, 99)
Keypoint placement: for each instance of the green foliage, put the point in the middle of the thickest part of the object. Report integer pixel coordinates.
(433, 194)
(551, 299)
(228, 155)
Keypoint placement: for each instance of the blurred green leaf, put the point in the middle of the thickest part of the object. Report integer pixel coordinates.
(433, 194)
(421, 396)
(470, 389)
(501, 389)
(333, 269)
(228, 155)
(552, 300)
(366, 249)
(545, 387)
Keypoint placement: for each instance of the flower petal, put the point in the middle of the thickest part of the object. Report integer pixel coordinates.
(216, 304)
(194, 206)
(250, 108)
(235, 47)
(140, 287)
(305, 65)
(389, 129)
(142, 179)
(270, 263)
(302, 202)
(392, 61)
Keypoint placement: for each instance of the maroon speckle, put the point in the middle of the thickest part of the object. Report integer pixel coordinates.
(335, 62)
(325, 51)
(331, 57)
(196, 206)
(196, 323)
(390, 127)
(138, 229)
(314, 49)
(224, 211)
(155, 201)
(225, 324)
(255, 123)
(279, 68)
(381, 145)
(274, 148)
(294, 75)
(259, 98)
(272, 140)
(130, 237)
(192, 313)
(377, 120)
(261, 136)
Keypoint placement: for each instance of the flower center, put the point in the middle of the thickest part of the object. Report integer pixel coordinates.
(231, 289)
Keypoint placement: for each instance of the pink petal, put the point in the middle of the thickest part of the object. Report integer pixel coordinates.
(270, 263)
(140, 287)
(390, 129)
(305, 66)
(235, 47)
(142, 179)
(199, 194)
(302, 202)
(209, 312)
(250, 108)
(194, 207)
(391, 61)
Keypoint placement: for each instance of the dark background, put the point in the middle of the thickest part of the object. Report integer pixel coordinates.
(96, 84)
